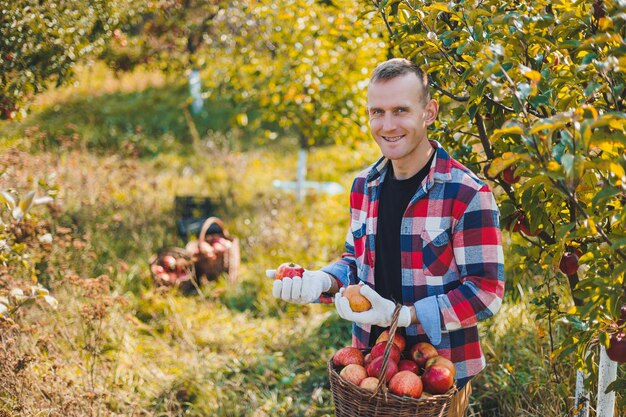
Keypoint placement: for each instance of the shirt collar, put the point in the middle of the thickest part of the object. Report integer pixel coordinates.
(439, 168)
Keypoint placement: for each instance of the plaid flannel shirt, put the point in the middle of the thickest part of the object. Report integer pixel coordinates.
(452, 258)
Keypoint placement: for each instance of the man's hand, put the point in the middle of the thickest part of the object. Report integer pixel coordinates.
(302, 290)
(379, 315)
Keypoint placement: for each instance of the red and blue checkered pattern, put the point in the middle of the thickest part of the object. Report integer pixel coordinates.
(451, 257)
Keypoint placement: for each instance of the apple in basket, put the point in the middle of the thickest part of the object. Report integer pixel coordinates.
(437, 379)
(421, 352)
(169, 262)
(353, 373)
(347, 355)
(374, 368)
(406, 383)
(197, 248)
(379, 350)
(370, 383)
(398, 339)
(408, 365)
(440, 360)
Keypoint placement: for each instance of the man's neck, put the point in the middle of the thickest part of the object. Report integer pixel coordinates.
(403, 170)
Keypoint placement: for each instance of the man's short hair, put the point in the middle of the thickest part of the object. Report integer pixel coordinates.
(397, 67)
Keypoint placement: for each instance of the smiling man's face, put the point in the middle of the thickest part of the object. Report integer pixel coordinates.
(399, 117)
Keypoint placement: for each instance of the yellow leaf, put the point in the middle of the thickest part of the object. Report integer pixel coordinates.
(553, 166)
(592, 226)
(533, 76)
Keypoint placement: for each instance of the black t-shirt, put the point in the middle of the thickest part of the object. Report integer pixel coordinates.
(395, 196)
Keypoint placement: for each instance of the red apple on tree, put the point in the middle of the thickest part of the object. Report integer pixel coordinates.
(289, 270)
(421, 352)
(617, 347)
(406, 383)
(508, 175)
(437, 379)
(347, 355)
(569, 263)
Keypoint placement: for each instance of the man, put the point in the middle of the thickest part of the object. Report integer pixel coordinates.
(424, 232)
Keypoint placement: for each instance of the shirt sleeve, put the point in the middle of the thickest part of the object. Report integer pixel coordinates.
(477, 246)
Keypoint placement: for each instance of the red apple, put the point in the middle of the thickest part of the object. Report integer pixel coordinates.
(367, 359)
(508, 176)
(406, 383)
(398, 339)
(379, 350)
(617, 347)
(347, 355)
(370, 383)
(374, 368)
(169, 262)
(437, 379)
(443, 361)
(353, 373)
(408, 365)
(569, 263)
(289, 270)
(421, 352)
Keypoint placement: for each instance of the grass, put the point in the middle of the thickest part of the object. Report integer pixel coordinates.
(118, 346)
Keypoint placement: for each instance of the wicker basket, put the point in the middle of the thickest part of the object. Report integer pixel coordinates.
(352, 401)
(226, 261)
(184, 275)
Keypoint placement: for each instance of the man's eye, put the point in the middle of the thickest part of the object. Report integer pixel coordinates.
(376, 112)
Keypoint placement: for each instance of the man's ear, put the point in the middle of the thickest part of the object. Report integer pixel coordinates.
(431, 110)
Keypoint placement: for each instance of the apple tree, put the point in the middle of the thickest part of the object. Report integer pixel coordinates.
(533, 99)
(301, 65)
(41, 42)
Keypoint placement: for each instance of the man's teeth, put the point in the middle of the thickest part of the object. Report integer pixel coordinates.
(392, 139)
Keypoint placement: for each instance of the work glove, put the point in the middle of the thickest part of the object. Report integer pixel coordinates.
(302, 290)
(379, 315)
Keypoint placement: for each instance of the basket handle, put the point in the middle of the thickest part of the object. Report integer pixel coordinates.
(208, 223)
(387, 353)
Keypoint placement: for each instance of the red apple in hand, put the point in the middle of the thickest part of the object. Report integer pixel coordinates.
(437, 379)
(398, 340)
(353, 373)
(289, 270)
(379, 350)
(374, 368)
(406, 383)
(569, 263)
(421, 352)
(347, 355)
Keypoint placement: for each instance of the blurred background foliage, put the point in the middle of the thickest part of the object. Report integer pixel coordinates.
(97, 115)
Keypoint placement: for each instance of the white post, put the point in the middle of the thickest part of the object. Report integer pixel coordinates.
(581, 402)
(301, 174)
(195, 90)
(607, 373)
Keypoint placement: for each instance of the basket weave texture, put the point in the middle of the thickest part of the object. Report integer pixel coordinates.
(352, 401)
(227, 261)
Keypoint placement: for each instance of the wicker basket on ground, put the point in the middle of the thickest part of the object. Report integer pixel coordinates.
(215, 251)
(173, 267)
(353, 401)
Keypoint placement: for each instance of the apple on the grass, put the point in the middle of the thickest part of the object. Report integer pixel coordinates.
(374, 368)
(408, 365)
(406, 383)
(379, 350)
(421, 352)
(348, 355)
(398, 339)
(437, 379)
(289, 270)
(353, 373)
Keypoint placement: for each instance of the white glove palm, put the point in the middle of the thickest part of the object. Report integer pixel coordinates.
(302, 290)
(379, 315)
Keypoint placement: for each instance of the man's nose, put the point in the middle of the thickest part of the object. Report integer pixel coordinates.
(389, 122)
